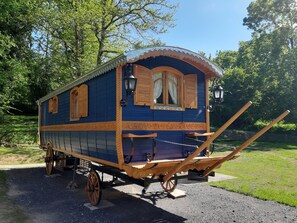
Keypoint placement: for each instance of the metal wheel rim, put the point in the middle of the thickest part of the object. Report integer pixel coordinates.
(49, 163)
(170, 184)
(94, 188)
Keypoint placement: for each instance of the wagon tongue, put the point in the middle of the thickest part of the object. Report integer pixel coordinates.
(179, 166)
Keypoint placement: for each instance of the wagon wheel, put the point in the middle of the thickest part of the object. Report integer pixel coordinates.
(170, 184)
(94, 188)
(49, 160)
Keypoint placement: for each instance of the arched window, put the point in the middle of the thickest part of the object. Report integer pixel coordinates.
(168, 88)
(165, 88)
(79, 102)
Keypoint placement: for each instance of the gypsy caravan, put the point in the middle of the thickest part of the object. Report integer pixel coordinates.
(142, 116)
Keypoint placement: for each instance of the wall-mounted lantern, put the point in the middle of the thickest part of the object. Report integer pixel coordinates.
(218, 95)
(130, 83)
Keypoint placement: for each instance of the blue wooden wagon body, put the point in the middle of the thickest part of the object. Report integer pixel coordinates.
(85, 118)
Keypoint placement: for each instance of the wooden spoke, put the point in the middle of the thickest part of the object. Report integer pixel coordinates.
(49, 160)
(169, 185)
(94, 188)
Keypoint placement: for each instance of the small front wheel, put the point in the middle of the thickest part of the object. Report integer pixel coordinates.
(170, 184)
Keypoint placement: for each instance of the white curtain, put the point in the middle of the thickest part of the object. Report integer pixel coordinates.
(172, 87)
(158, 86)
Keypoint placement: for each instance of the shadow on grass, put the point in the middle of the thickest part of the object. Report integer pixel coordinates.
(28, 151)
(223, 146)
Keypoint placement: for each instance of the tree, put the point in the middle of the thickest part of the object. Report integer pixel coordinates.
(275, 30)
(16, 24)
(88, 32)
(265, 67)
(265, 16)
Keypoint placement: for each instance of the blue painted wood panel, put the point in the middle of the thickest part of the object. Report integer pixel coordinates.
(102, 102)
(165, 150)
(98, 144)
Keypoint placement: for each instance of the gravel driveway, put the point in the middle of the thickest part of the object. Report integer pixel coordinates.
(46, 199)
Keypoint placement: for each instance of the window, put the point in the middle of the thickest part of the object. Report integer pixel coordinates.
(79, 102)
(53, 105)
(165, 88)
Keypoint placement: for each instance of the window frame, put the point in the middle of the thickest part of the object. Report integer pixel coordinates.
(165, 71)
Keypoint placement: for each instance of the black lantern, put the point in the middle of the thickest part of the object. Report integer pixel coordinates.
(130, 83)
(218, 93)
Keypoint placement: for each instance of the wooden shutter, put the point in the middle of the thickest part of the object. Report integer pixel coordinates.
(72, 95)
(144, 88)
(83, 101)
(190, 89)
(55, 104)
(50, 105)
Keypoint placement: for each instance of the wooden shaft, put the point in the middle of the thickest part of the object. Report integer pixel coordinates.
(206, 143)
(246, 143)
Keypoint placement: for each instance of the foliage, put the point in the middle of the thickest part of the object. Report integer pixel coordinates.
(264, 70)
(264, 170)
(279, 127)
(18, 129)
(47, 43)
(82, 34)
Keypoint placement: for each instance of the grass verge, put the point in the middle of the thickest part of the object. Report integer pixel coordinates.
(21, 155)
(264, 170)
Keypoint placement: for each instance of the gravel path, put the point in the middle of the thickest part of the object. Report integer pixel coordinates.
(46, 199)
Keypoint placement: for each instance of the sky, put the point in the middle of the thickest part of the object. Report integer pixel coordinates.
(208, 25)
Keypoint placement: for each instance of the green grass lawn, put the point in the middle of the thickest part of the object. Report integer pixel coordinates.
(21, 155)
(264, 170)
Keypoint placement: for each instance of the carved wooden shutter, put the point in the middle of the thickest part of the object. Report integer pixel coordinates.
(144, 88)
(50, 105)
(55, 103)
(190, 89)
(72, 107)
(83, 101)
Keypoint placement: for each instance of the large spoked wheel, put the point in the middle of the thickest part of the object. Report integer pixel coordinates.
(170, 184)
(49, 160)
(94, 188)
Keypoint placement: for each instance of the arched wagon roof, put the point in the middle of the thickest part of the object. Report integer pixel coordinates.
(195, 59)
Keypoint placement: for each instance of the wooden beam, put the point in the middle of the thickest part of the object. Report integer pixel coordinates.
(246, 143)
(207, 143)
(119, 118)
(197, 134)
(163, 126)
(207, 112)
(130, 135)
